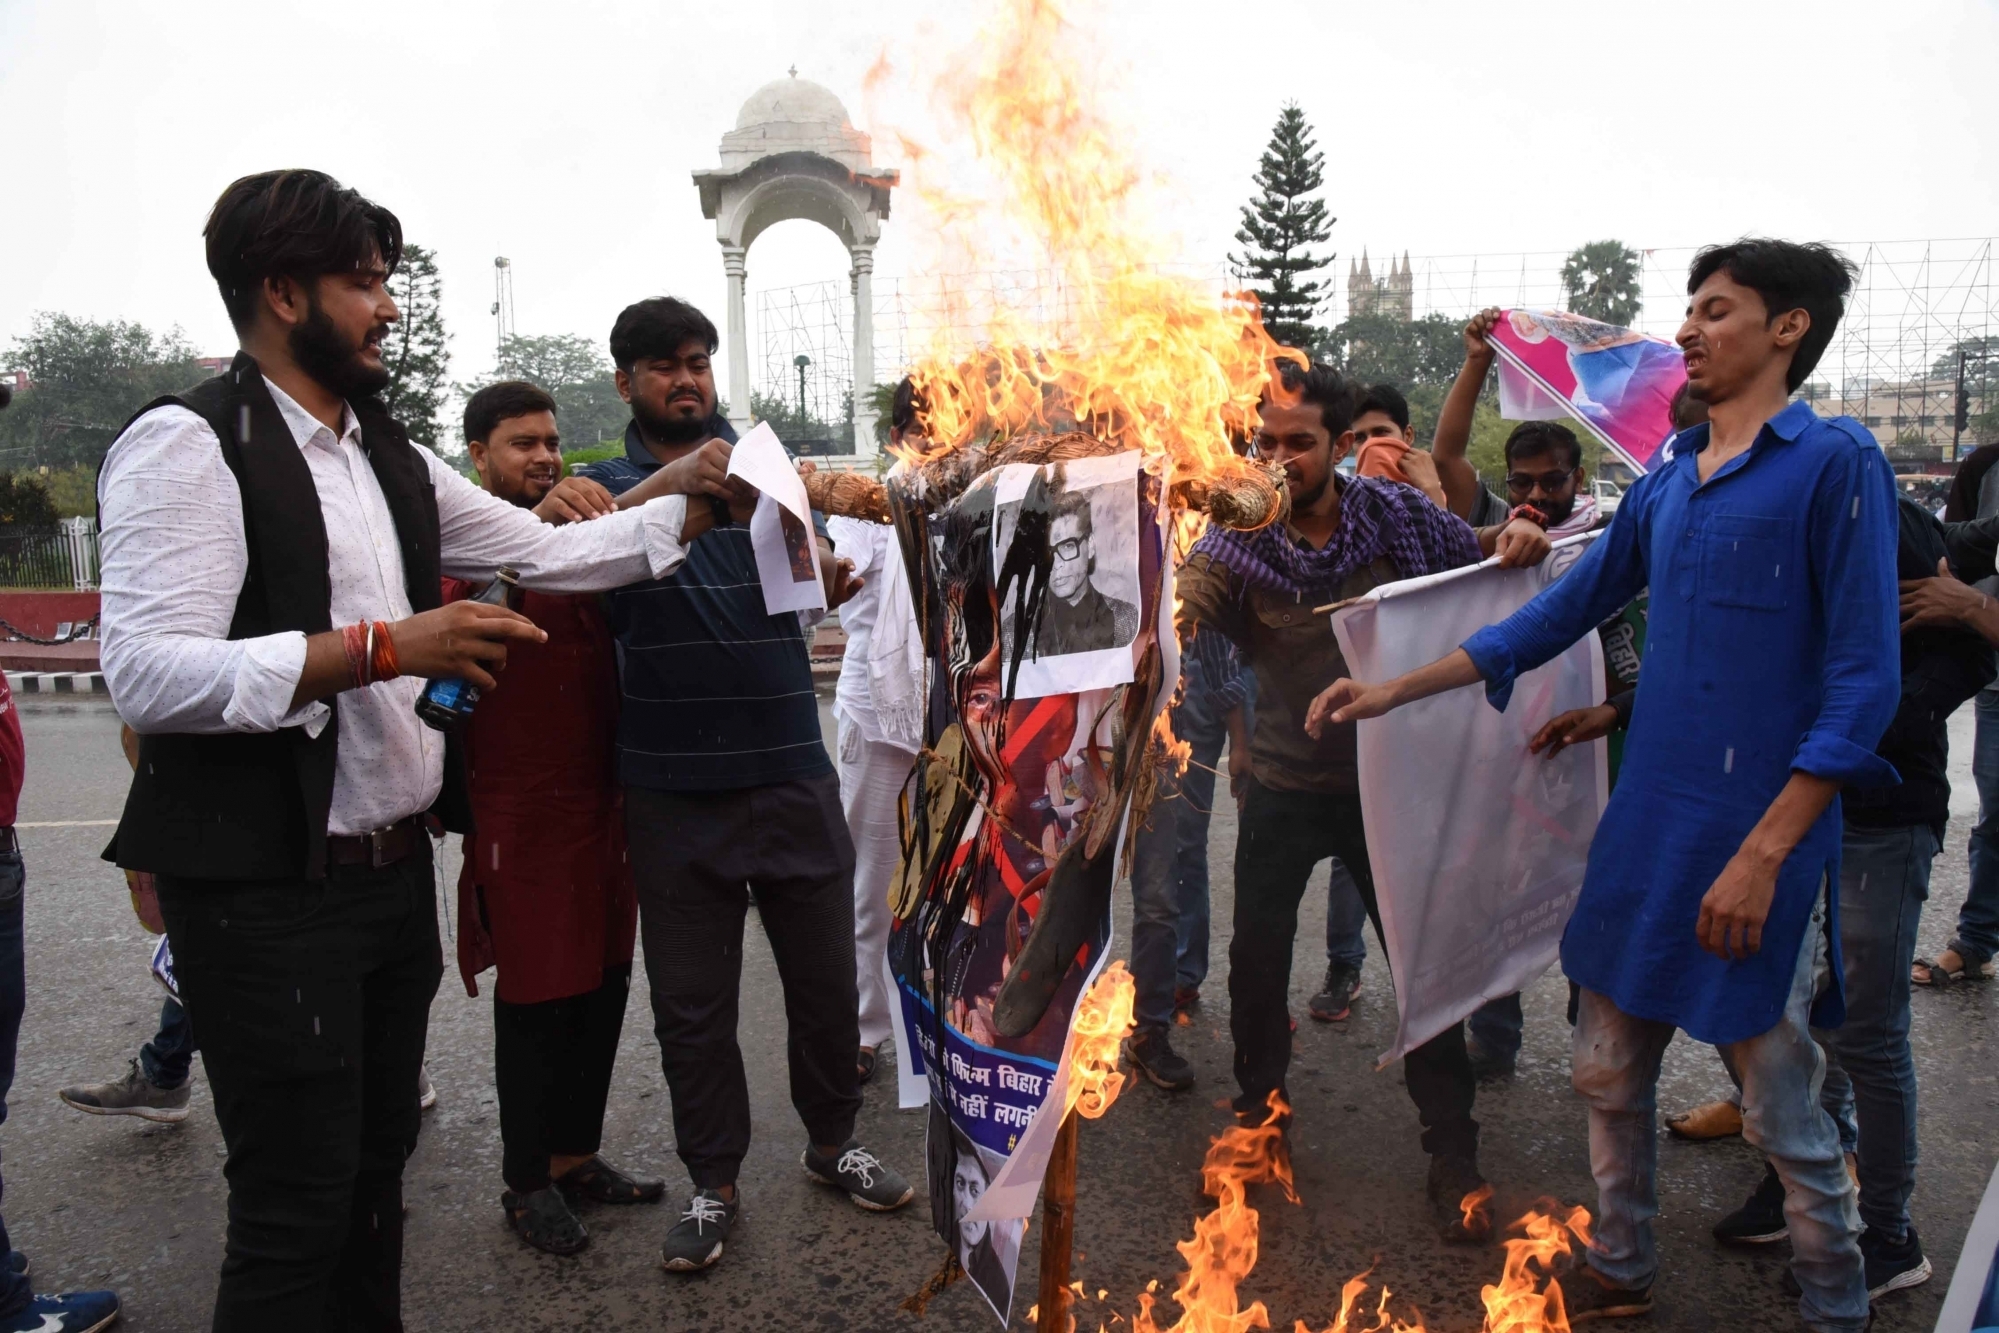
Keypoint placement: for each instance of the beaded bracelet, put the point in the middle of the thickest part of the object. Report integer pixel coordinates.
(1528, 512)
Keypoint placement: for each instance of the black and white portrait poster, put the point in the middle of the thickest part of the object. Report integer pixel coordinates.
(1087, 616)
(988, 1250)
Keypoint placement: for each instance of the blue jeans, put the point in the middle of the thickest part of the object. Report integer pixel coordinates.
(1977, 938)
(15, 1293)
(1782, 1070)
(1870, 1081)
(1345, 917)
(1496, 1025)
(167, 1057)
(1202, 724)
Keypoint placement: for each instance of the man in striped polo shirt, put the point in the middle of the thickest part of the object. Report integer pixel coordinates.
(729, 791)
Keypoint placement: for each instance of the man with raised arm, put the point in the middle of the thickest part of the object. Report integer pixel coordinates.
(1344, 536)
(1768, 542)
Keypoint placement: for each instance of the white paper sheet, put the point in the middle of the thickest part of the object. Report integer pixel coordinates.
(781, 526)
(1478, 847)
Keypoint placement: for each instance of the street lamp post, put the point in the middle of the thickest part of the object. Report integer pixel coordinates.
(801, 361)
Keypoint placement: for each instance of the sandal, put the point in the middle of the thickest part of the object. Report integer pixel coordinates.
(600, 1182)
(865, 1063)
(542, 1219)
(1711, 1120)
(1948, 968)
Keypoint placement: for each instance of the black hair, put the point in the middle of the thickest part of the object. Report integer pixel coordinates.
(1788, 276)
(292, 224)
(902, 411)
(658, 327)
(1533, 438)
(1386, 399)
(486, 409)
(1686, 410)
(1072, 504)
(1327, 388)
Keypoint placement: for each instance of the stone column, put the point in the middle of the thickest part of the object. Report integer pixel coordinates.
(739, 340)
(864, 348)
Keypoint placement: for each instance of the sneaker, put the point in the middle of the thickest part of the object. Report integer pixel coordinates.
(1334, 1002)
(1459, 1198)
(1587, 1295)
(859, 1172)
(1893, 1265)
(71, 1312)
(1761, 1220)
(1185, 998)
(1487, 1065)
(134, 1094)
(426, 1091)
(696, 1239)
(1153, 1055)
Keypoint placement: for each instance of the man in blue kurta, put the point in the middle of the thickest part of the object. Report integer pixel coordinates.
(1771, 670)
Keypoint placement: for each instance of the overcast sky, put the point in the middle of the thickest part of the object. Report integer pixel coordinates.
(563, 135)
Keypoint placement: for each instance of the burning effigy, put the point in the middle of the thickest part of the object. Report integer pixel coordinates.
(1066, 457)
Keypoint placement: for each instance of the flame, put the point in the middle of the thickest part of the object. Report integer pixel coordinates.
(1119, 347)
(1520, 1303)
(1103, 1019)
(1223, 1249)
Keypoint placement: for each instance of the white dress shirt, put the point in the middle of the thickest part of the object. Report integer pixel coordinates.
(174, 558)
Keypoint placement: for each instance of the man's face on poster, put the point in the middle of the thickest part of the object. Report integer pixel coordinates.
(1070, 542)
(968, 1183)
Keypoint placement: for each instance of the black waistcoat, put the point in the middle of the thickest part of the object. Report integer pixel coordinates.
(254, 805)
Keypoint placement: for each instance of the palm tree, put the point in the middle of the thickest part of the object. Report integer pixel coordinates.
(1601, 280)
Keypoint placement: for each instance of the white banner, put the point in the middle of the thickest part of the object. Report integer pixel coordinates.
(1478, 847)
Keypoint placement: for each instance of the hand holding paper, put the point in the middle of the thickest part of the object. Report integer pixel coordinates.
(781, 526)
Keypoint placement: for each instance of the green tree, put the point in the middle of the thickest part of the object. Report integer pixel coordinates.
(85, 379)
(416, 350)
(577, 375)
(25, 503)
(1601, 280)
(790, 424)
(1381, 349)
(1279, 228)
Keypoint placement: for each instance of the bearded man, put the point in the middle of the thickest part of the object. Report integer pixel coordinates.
(273, 547)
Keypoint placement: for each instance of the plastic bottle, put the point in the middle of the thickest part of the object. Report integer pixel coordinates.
(445, 704)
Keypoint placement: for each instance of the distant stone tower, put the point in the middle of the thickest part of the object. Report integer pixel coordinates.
(1393, 294)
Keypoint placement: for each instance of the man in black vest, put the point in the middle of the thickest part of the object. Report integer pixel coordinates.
(272, 546)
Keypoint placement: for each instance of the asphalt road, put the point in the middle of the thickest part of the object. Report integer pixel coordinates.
(117, 1202)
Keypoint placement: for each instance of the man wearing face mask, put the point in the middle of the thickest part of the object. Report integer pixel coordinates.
(1344, 536)
(273, 547)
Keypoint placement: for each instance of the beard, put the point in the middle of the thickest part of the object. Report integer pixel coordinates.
(323, 352)
(1557, 510)
(667, 428)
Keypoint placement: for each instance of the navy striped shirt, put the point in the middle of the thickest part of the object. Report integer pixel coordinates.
(717, 694)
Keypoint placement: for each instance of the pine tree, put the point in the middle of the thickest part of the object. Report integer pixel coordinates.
(415, 348)
(1279, 227)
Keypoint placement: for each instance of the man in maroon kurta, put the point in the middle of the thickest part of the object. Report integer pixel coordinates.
(546, 893)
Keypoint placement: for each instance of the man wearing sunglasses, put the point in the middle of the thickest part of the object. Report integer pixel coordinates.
(1079, 617)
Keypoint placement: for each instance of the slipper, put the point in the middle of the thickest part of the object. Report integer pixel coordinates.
(1713, 1120)
(600, 1182)
(1948, 967)
(542, 1219)
(864, 1062)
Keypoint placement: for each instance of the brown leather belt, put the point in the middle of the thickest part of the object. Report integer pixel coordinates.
(383, 847)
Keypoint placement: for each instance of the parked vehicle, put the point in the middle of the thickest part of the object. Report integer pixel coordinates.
(1608, 494)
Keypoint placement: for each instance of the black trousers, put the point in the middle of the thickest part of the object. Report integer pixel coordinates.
(552, 1063)
(312, 1001)
(697, 856)
(1283, 836)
